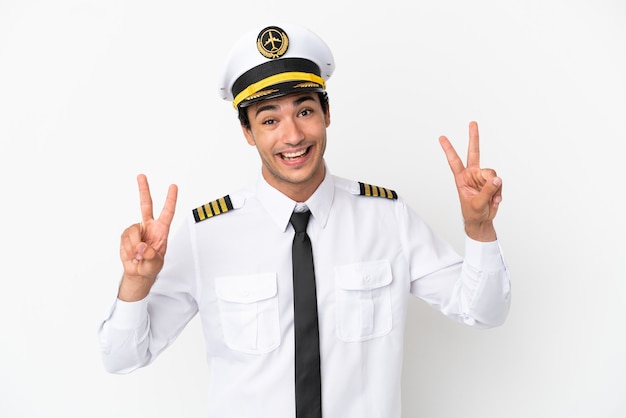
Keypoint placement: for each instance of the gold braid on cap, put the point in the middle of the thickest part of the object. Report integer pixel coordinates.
(275, 79)
(305, 85)
(260, 94)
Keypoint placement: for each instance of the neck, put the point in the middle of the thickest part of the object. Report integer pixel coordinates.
(300, 191)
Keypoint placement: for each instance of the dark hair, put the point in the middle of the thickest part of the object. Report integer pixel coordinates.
(245, 121)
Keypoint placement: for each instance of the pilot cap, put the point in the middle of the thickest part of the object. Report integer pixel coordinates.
(274, 61)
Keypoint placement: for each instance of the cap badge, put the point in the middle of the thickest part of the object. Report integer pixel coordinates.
(272, 42)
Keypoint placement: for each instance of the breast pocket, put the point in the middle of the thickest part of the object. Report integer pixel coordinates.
(248, 308)
(363, 300)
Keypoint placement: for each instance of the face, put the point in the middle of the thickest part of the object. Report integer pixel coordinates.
(289, 133)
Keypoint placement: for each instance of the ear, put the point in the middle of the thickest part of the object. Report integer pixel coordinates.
(247, 132)
(327, 115)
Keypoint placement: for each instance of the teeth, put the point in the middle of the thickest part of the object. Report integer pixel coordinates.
(294, 154)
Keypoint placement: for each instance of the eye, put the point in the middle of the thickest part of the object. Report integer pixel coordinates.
(305, 112)
(269, 121)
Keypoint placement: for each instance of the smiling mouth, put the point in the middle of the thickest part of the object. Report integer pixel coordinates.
(294, 155)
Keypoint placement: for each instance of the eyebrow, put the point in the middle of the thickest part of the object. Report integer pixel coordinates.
(298, 101)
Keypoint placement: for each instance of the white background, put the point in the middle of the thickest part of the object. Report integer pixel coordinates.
(94, 92)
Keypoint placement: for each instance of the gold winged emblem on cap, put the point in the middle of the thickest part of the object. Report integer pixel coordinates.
(272, 42)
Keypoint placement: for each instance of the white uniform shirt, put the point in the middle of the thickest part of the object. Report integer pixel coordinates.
(235, 270)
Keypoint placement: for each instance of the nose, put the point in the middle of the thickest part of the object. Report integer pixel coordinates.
(291, 131)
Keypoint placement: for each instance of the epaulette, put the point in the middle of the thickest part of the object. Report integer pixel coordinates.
(369, 190)
(214, 208)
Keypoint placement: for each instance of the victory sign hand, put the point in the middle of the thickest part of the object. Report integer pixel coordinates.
(143, 245)
(479, 189)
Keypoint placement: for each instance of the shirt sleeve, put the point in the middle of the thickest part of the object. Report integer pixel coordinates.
(474, 290)
(123, 342)
(135, 333)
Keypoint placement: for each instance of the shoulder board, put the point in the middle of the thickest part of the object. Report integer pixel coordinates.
(211, 209)
(369, 190)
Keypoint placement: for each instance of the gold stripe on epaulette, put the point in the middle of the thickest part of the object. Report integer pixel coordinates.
(214, 208)
(370, 190)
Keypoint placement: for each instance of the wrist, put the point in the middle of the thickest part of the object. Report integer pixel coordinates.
(134, 288)
(481, 231)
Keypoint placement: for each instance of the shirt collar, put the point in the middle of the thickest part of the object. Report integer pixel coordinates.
(280, 207)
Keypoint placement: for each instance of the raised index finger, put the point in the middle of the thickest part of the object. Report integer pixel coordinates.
(455, 163)
(473, 149)
(167, 214)
(145, 199)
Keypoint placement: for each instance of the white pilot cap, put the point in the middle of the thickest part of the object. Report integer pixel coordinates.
(273, 61)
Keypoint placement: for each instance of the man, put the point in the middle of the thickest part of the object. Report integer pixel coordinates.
(238, 261)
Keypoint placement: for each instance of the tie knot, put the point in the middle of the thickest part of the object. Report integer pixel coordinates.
(299, 220)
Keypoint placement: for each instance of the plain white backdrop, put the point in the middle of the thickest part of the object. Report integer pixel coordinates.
(94, 92)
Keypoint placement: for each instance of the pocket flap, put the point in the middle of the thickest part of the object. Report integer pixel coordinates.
(363, 276)
(246, 289)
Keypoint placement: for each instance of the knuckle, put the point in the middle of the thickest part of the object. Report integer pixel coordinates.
(489, 171)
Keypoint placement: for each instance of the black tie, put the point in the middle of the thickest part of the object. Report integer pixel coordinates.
(308, 381)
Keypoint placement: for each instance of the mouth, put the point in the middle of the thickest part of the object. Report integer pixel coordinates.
(291, 156)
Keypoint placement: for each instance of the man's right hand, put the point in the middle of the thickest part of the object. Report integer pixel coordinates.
(143, 245)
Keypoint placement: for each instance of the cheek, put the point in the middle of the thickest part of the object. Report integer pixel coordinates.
(263, 147)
